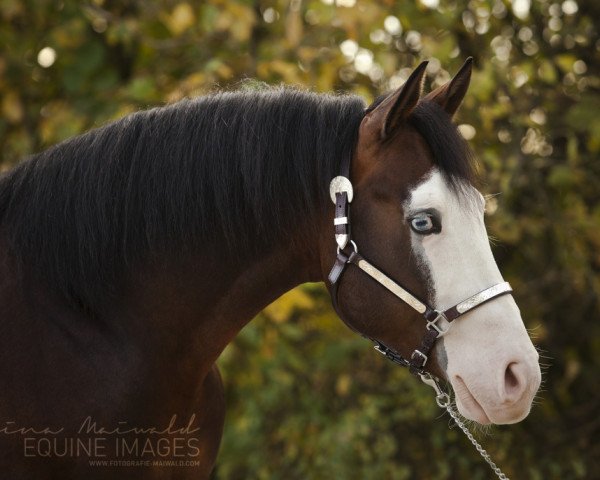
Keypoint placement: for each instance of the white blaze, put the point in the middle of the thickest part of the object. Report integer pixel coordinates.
(492, 364)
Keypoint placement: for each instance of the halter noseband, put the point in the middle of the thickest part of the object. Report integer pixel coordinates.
(438, 322)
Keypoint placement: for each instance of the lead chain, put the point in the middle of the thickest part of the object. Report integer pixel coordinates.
(443, 401)
(476, 444)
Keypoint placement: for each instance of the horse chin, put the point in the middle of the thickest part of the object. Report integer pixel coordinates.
(472, 409)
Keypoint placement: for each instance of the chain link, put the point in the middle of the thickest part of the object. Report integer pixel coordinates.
(443, 401)
(486, 456)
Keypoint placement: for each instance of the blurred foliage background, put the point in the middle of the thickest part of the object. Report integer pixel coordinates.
(307, 398)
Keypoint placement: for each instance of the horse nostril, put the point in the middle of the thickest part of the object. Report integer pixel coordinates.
(514, 383)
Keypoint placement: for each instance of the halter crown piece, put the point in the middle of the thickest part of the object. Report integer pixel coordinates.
(437, 322)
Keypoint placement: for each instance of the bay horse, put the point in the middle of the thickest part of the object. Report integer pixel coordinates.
(131, 255)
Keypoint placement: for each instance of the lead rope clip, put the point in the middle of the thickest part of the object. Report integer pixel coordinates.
(443, 401)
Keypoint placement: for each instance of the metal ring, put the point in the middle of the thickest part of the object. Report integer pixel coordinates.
(353, 244)
(443, 400)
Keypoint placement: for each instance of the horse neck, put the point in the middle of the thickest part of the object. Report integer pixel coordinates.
(198, 304)
(172, 318)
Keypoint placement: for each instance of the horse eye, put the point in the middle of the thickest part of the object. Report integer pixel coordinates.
(424, 224)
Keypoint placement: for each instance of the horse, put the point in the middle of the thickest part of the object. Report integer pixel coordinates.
(131, 255)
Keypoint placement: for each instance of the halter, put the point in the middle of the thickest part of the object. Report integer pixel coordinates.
(437, 322)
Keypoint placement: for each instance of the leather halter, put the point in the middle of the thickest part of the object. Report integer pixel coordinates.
(438, 322)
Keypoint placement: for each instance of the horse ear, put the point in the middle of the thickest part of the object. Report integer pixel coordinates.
(450, 95)
(397, 107)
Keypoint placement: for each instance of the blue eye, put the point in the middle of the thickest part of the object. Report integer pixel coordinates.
(424, 223)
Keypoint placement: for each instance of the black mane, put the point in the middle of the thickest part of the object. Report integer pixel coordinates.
(237, 170)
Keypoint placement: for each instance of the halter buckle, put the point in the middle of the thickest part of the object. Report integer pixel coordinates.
(417, 354)
(433, 324)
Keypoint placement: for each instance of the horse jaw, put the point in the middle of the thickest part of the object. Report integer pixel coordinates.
(491, 362)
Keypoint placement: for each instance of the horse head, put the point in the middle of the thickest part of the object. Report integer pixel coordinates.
(417, 216)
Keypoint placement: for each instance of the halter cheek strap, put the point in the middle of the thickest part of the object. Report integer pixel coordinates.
(437, 323)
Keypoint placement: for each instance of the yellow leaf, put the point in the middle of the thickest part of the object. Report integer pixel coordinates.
(565, 61)
(12, 108)
(342, 386)
(281, 309)
(181, 18)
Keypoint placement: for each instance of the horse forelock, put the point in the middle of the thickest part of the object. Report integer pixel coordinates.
(451, 154)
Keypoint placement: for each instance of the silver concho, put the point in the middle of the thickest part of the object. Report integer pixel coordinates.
(338, 185)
